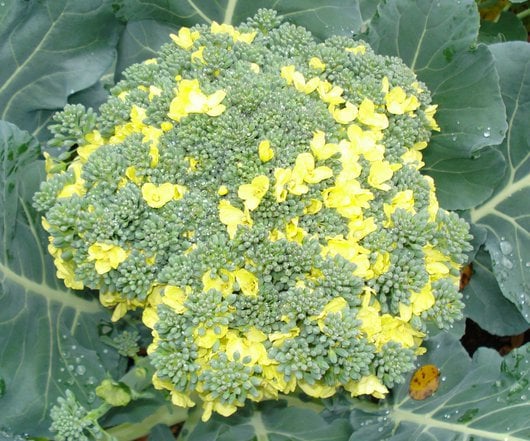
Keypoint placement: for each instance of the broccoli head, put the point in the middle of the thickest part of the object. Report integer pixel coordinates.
(258, 195)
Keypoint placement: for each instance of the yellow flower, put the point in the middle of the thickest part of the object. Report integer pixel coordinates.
(78, 187)
(317, 64)
(368, 116)
(380, 172)
(174, 297)
(207, 337)
(245, 37)
(419, 302)
(398, 330)
(402, 199)
(248, 282)
(364, 142)
(198, 55)
(156, 196)
(314, 207)
(189, 98)
(317, 390)
(107, 256)
(436, 262)
(357, 50)
(250, 352)
(341, 246)
(344, 115)
(429, 113)
(293, 232)
(433, 201)
(224, 283)
(398, 103)
(367, 385)
(282, 177)
(277, 338)
(154, 91)
(305, 169)
(94, 141)
(265, 152)
(253, 193)
(223, 190)
(348, 198)
(232, 217)
(321, 150)
(330, 94)
(358, 227)
(254, 67)
(185, 38)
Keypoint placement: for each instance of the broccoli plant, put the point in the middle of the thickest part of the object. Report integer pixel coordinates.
(257, 195)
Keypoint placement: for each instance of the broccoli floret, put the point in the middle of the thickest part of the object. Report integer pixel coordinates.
(258, 194)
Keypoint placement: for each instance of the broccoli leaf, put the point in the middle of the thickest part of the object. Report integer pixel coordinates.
(506, 214)
(322, 18)
(484, 398)
(48, 51)
(478, 175)
(48, 335)
(485, 303)
(434, 38)
(270, 421)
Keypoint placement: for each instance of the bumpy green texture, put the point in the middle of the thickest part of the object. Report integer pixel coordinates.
(258, 195)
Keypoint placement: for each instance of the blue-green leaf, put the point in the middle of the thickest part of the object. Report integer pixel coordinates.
(463, 183)
(506, 214)
(48, 51)
(271, 421)
(508, 27)
(48, 335)
(485, 303)
(323, 18)
(484, 398)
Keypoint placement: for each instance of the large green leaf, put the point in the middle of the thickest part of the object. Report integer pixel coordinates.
(48, 51)
(506, 215)
(270, 421)
(322, 17)
(463, 183)
(435, 39)
(485, 303)
(484, 398)
(48, 335)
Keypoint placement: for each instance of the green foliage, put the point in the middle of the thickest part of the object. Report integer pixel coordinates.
(51, 50)
(70, 51)
(482, 398)
(508, 239)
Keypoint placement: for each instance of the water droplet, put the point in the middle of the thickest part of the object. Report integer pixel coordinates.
(105, 351)
(458, 123)
(453, 138)
(527, 264)
(78, 359)
(443, 379)
(487, 132)
(71, 367)
(506, 247)
(91, 397)
(507, 263)
(379, 429)
(74, 347)
(80, 370)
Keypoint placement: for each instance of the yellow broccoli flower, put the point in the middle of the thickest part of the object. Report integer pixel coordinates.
(368, 116)
(380, 172)
(367, 385)
(232, 217)
(248, 282)
(265, 152)
(185, 38)
(253, 193)
(106, 256)
(156, 196)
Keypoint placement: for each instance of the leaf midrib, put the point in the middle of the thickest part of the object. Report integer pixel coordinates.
(63, 297)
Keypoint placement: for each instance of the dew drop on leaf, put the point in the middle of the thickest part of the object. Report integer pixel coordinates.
(506, 247)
